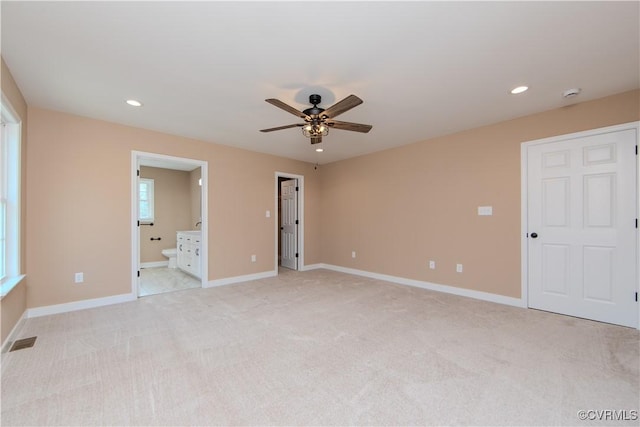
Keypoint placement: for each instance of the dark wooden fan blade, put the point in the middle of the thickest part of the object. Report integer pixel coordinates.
(297, 125)
(356, 127)
(316, 139)
(345, 105)
(287, 108)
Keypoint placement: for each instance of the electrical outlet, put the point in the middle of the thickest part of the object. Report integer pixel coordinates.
(432, 265)
(458, 268)
(79, 277)
(485, 210)
(353, 254)
(253, 258)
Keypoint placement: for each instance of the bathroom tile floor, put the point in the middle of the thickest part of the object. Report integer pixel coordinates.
(158, 280)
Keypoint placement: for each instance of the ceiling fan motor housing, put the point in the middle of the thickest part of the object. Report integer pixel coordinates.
(315, 99)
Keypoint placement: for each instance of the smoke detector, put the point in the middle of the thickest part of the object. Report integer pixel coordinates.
(571, 93)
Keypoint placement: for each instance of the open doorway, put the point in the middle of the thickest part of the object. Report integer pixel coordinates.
(169, 223)
(289, 232)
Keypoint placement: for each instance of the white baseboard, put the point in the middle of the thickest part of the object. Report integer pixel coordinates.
(154, 264)
(238, 279)
(484, 296)
(79, 305)
(312, 267)
(116, 299)
(15, 332)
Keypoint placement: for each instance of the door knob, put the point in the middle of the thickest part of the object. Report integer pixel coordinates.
(534, 235)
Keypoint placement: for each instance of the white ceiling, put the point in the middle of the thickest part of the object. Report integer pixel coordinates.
(423, 69)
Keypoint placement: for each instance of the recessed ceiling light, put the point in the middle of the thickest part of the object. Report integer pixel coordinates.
(519, 89)
(134, 103)
(319, 150)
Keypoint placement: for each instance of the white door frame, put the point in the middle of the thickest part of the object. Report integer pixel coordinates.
(300, 242)
(524, 241)
(136, 157)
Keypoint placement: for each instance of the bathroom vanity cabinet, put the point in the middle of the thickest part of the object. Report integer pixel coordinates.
(189, 249)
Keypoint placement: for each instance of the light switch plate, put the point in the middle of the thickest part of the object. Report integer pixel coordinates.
(268, 214)
(485, 210)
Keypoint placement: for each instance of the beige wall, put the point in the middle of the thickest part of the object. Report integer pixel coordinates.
(79, 178)
(13, 305)
(397, 208)
(402, 207)
(172, 211)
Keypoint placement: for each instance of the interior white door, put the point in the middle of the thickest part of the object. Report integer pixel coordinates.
(289, 224)
(582, 227)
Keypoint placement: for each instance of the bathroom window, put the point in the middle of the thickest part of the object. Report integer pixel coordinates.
(145, 200)
(10, 127)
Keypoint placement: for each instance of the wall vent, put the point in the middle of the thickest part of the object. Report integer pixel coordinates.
(23, 343)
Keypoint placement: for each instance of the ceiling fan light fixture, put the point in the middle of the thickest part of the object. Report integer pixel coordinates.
(314, 130)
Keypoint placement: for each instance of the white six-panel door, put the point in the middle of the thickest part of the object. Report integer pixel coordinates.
(289, 224)
(581, 209)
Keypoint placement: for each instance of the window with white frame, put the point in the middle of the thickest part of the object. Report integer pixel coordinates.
(10, 128)
(145, 200)
(3, 201)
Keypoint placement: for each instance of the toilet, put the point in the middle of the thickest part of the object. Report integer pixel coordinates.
(172, 255)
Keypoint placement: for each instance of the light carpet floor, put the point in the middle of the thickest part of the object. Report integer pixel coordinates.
(317, 348)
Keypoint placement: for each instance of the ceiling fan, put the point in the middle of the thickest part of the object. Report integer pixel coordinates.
(317, 120)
